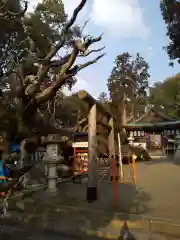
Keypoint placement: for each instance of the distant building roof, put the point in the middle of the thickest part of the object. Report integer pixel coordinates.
(153, 118)
(165, 124)
(152, 111)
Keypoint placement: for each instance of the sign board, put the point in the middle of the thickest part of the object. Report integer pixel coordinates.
(80, 145)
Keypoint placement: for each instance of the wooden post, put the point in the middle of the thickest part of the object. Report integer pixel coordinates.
(111, 145)
(131, 139)
(120, 159)
(134, 167)
(112, 157)
(92, 161)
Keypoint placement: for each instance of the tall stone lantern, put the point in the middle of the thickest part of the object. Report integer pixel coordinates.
(52, 159)
(130, 140)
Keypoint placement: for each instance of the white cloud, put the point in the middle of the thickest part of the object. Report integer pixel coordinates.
(148, 53)
(70, 5)
(124, 18)
(81, 84)
(121, 18)
(32, 4)
(150, 48)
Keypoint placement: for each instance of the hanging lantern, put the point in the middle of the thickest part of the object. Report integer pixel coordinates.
(142, 133)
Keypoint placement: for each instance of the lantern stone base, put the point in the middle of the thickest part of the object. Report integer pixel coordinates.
(91, 194)
(117, 178)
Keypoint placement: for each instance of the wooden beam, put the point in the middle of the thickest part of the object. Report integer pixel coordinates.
(85, 96)
(84, 125)
(102, 140)
(106, 126)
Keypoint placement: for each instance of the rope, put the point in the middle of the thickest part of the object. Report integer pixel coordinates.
(9, 198)
(106, 171)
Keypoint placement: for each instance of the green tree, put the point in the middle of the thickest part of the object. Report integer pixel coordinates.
(127, 85)
(170, 10)
(103, 97)
(166, 95)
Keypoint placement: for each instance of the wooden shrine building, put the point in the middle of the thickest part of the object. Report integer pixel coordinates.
(152, 129)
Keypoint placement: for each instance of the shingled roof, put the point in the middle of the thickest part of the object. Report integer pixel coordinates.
(159, 113)
(153, 118)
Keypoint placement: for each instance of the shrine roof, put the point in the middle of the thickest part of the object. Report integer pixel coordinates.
(153, 114)
(165, 124)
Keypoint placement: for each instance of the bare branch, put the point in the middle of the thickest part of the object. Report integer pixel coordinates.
(92, 51)
(79, 46)
(61, 43)
(86, 22)
(4, 5)
(78, 68)
(39, 60)
(87, 42)
(43, 69)
(50, 92)
(82, 121)
(129, 119)
(70, 61)
(67, 62)
(60, 62)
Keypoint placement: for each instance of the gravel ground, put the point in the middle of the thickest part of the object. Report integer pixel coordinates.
(12, 233)
(156, 195)
(157, 188)
(158, 183)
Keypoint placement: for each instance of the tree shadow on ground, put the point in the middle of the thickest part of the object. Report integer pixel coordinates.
(23, 234)
(173, 160)
(37, 175)
(176, 160)
(69, 212)
(159, 161)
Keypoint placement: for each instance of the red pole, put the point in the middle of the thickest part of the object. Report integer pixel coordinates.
(74, 162)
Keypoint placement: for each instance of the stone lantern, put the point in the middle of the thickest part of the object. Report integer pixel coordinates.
(52, 159)
(130, 140)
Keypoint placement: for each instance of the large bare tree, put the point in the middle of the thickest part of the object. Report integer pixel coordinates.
(32, 90)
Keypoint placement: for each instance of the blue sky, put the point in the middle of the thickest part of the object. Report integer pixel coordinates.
(129, 26)
(150, 46)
